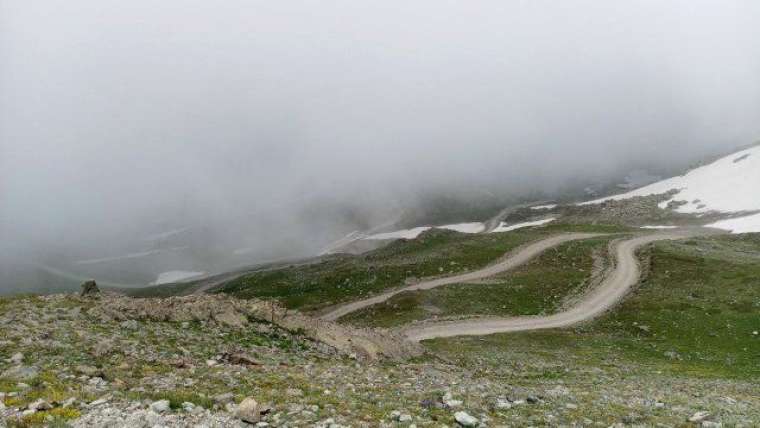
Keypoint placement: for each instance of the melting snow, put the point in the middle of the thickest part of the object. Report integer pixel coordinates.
(342, 242)
(658, 227)
(747, 224)
(544, 207)
(724, 186)
(401, 234)
(503, 227)
(176, 276)
(729, 185)
(465, 227)
(415, 232)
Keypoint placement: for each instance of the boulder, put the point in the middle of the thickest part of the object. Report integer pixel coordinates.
(89, 288)
(248, 411)
(40, 405)
(465, 420)
(160, 406)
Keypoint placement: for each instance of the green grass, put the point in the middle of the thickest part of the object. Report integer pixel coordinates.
(179, 396)
(694, 314)
(539, 287)
(345, 278)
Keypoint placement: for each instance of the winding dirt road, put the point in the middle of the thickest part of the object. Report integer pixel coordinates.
(612, 289)
(520, 257)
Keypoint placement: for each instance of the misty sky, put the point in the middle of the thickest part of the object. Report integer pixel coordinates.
(126, 118)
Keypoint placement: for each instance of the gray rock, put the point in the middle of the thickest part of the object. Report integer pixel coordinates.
(40, 405)
(20, 373)
(91, 371)
(160, 406)
(558, 391)
(405, 418)
(699, 417)
(449, 400)
(130, 325)
(248, 411)
(294, 392)
(502, 404)
(89, 288)
(100, 401)
(224, 398)
(103, 348)
(16, 358)
(465, 420)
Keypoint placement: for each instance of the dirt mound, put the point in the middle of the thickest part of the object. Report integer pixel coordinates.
(224, 310)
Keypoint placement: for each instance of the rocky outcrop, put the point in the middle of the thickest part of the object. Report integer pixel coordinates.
(89, 289)
(231, 312)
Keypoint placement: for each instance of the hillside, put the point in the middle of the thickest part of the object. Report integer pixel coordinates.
(728, 186)
(678, 346)
(681, 351)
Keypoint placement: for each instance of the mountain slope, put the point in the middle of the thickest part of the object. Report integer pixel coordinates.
(728, 186)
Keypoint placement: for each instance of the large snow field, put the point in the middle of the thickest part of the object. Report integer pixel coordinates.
(729, 185)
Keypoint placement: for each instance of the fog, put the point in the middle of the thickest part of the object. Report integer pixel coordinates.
(262, 130)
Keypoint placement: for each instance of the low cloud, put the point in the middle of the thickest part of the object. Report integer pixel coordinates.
(272, 128)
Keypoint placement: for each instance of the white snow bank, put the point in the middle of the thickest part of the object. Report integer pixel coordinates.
(464, 227)
(415, 232)
(747, 224)
(176, 276)
(544, 207)
(658, 227)
(342, 242)
(400, 234)
(503, 227)
(730, 184)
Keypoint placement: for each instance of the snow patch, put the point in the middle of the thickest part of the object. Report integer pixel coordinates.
(544, 207)
(503, 227)
(725, 186)
(342, 242)
(401, 234)
(175, 276)
(658, 227)
(747, 224)
(475, 227)
(465, 227)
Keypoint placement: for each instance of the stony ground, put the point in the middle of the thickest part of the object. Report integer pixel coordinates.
(203, 361)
